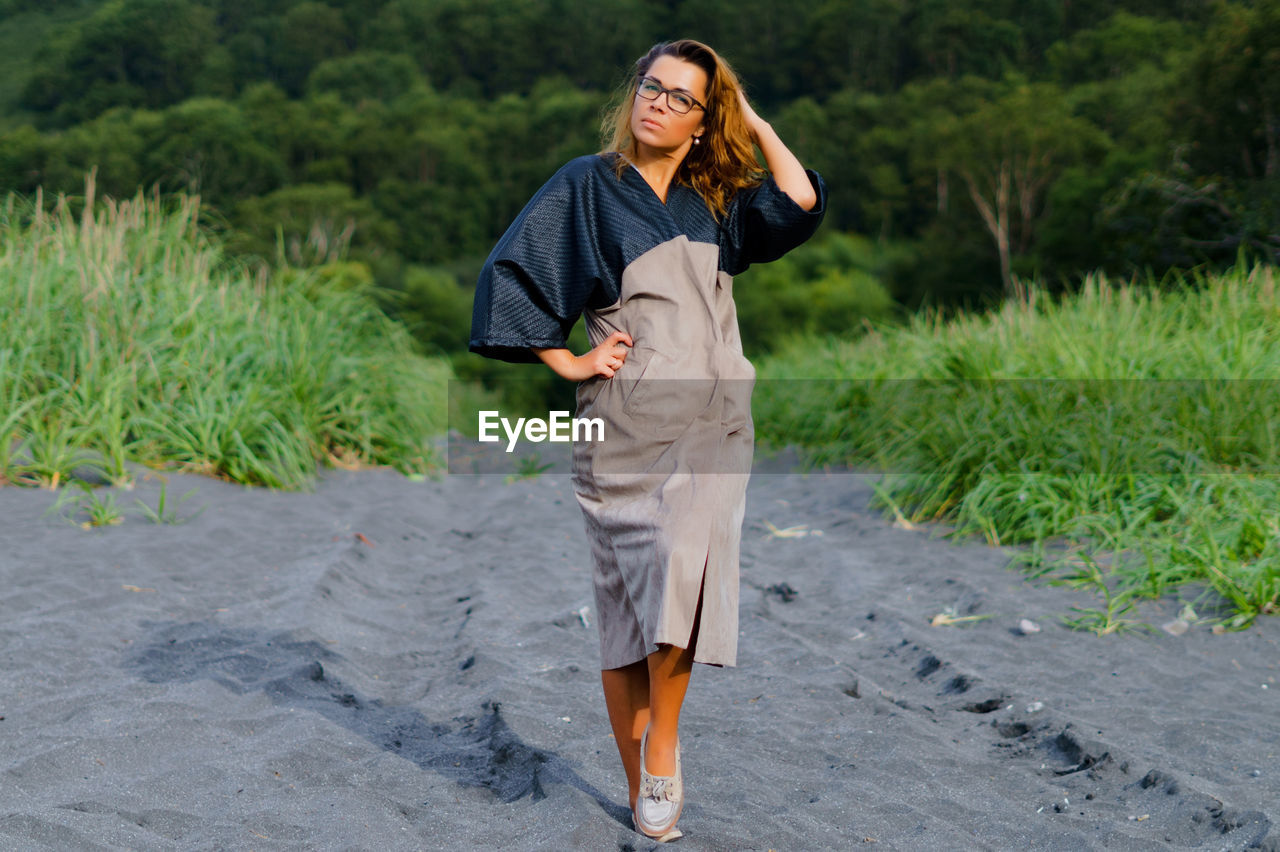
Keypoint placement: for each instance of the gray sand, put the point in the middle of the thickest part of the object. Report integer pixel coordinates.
(387, 664)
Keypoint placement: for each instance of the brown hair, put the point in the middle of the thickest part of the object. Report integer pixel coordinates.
(725, 161)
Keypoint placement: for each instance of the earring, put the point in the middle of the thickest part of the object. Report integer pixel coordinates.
(697, 140)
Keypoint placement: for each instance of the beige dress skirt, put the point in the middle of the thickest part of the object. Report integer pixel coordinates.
(664, 492)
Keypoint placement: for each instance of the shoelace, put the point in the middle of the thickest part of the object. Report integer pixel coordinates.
(659, 787)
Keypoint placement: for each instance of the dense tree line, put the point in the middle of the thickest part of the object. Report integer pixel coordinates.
(982, 141)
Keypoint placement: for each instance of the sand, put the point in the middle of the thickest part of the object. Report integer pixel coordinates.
(389, 664)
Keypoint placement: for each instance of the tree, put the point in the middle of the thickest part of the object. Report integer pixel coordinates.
(143, 53)
(1007, 153)
(1119, 46)
(490, 47)
(956, 38)
(308, 33)
(305, 134)
(1231, 96)
(849, 43)
(206, 146)
(435, 309)
(1217, 192)
(115, 144)
(23, 152)
(317, 224)
(366, 75)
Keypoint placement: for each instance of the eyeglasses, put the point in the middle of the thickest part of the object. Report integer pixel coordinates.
(678, 100)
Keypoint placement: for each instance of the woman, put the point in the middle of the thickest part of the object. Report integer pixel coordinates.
(644, 239)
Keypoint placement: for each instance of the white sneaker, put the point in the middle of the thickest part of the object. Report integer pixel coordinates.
(660, 799)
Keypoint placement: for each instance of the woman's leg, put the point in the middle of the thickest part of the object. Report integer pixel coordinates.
(626, 695)
(669, 669)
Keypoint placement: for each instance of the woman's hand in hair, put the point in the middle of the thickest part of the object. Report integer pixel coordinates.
(753, 120)
(603, 360)
(787, 171)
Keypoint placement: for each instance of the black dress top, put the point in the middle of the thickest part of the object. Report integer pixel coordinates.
(568, 248)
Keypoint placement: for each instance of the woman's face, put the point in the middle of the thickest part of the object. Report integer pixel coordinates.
(654, 123)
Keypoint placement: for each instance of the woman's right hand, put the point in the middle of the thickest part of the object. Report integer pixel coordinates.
(607, 358)
(603, 360)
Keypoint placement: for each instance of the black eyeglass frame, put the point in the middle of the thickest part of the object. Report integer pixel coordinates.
(663, 90)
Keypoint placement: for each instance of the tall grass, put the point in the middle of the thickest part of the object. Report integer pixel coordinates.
(126, 335)
(1129, 435)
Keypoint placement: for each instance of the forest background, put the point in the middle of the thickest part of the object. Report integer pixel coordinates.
(970, 145)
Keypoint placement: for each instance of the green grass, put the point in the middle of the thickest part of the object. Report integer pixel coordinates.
(100, 511)
(128, 336)
(1127, 435)
(166, 511)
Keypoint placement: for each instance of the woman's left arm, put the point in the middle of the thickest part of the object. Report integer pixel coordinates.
(786, 169)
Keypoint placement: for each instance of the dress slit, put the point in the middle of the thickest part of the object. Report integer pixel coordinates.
(695, 624)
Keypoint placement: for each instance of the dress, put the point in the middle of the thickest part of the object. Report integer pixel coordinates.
(664, 493)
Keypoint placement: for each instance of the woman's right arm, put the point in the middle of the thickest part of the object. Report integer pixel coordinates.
(604, 360)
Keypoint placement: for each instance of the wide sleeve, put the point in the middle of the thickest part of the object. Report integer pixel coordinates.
(540, 275)
(763, 223)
